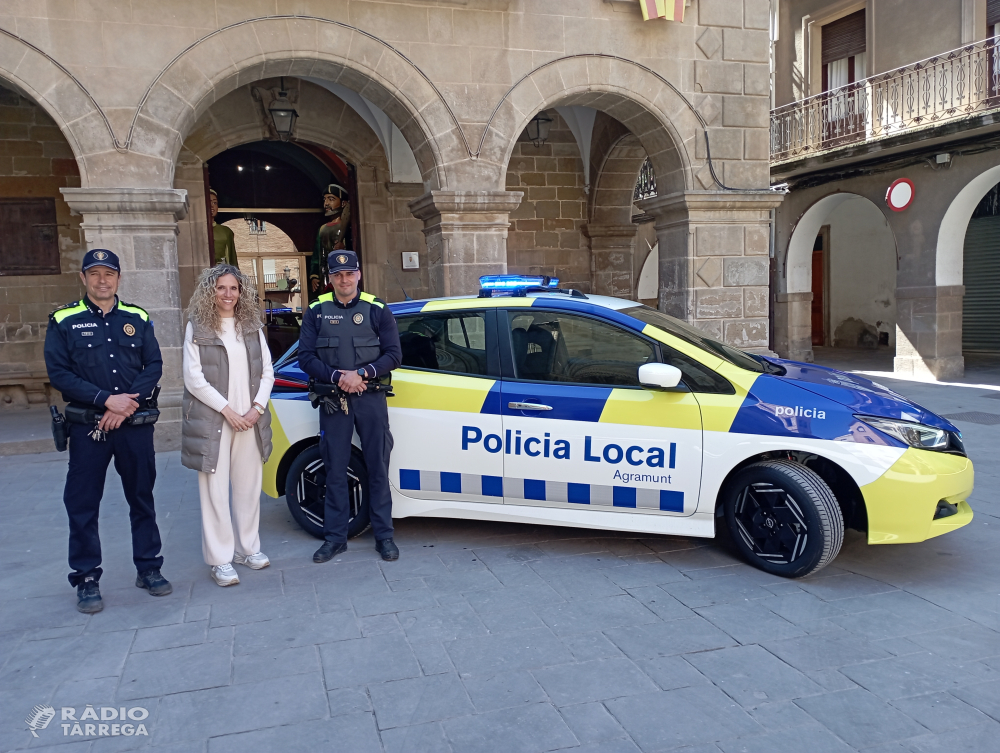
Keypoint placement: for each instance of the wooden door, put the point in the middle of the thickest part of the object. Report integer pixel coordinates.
(818, 290)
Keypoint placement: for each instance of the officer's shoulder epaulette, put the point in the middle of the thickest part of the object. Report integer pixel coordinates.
(69, 309)
(326, 297)
(369, 298)
(133, 309)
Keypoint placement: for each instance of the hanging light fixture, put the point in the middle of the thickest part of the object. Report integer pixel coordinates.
(283, 114)
(538, 129)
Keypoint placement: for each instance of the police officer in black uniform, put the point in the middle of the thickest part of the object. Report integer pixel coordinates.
(349, 338)
(103, 356)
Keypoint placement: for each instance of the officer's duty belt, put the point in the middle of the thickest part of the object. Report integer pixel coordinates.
(91, 417)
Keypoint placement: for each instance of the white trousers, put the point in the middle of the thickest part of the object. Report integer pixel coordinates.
(222, 532)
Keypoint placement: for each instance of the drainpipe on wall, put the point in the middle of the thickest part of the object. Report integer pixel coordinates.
(772, 279)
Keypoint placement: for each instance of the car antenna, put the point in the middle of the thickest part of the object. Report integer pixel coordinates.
(406, 296)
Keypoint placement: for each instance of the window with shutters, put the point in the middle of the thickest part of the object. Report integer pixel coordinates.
(844, 51)
(29, 238)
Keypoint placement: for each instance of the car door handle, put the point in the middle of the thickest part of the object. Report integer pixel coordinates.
(528, 406)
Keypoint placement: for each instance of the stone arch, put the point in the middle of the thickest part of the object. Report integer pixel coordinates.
(299, 47)
(612, 197)
(645, 103)
(63, 98)
(949, 260)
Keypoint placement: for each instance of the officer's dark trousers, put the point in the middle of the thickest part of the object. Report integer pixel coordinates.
(132, 449)
(368, 412)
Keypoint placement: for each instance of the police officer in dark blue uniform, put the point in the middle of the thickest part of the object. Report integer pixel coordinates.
(349, 338)
(103, 356)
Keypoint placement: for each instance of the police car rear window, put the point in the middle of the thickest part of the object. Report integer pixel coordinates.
(454, 342)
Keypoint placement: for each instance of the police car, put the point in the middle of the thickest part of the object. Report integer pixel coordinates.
(535, 404)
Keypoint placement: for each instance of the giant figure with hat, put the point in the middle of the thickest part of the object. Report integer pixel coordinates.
(223, 238)
(334, 235)
(101, 354)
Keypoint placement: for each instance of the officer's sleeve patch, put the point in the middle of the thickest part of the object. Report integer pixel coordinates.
(69, 309)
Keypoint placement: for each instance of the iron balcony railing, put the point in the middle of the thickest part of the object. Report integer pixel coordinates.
(947, 87)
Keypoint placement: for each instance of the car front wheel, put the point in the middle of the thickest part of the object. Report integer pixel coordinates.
(305, 492)
(783, 518)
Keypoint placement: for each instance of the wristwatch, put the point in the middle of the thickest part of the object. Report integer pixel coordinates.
(258, 409)
(362, 373)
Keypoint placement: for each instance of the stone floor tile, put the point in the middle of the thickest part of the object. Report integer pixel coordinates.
(523, 729)
(860, 718)
(781, 715)
(150, 612)
(672, 672)
(594, 586)
(752, 676)
(620, 745)
(432, 656)
(499, 556)
(592, 723)
(983, 696)
(278, 661)
(407, 584)
(368, 660)
(583, 616)
(170, 636)
(825, 651)
(687, 716)
(419, 738)
(176, 670)
(299, 606)
(443, 623)
(503, 690)
(940, 712)
(417, 700)
(802, 606)
(589, 646)
(491, 654)
(305, 631)
(463, 582)
(730, 589)
(386, 603)
(816, 740)
(879, 624)
(349, 701)
(78, 693)
(977, 739)
(198, 612)
(834, 587)
(514, 597)
(660, 603)
(963, 644)
(598, 680)
(516, 575)
(896, 678)
(38, 664)
(668, 638)
(242, 708)
(40, 612)
(644, 574)
(414, 566)
(351, 732)
(507, 620)
(830, 679)
(750, 622)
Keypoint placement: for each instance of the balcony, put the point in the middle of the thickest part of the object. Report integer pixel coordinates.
(949, 87)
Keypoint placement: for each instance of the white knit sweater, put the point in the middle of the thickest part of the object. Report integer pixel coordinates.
(239, 371)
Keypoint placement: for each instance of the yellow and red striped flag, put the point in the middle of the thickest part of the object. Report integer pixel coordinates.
(668, 10)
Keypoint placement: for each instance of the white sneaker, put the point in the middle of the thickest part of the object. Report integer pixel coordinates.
(225, 575)
(256, 561)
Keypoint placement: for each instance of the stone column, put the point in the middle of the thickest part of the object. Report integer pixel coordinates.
(466, 234)
(140, 226)
(714, 266)
(612, 248)
(929, 331)
(793, 326)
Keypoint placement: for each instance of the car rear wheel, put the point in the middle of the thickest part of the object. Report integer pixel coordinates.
(305, 491)
(783, 518)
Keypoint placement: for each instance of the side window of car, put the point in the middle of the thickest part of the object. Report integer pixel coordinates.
(447, 341)
(551, 346)
(697, 377)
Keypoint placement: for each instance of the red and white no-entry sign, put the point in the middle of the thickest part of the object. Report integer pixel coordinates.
(900, 194)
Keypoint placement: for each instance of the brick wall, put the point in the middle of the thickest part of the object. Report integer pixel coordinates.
(36, 161)
(545, 231)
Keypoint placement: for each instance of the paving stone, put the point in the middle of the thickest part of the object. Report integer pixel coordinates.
(170, 636)
(379, 624)
(242, 708)
(598, 680)
(513, 598)
(275, 662)
(781, 715)
(897, 678)
(802, 607)
(498, 556)
(100, 692)
(505, 621)
(817, 739)
(463, 582)
(418, 700)
(352, 732)
(830, 679)
(588, 646)
(348, 701)
(40, 612)
(523, 729)
(620, 745)
(593, 586)
(405, 601)
(503, 690)
(660, 603)
(175, 670)
(419, 738)
(825, 651)
(491, 654)
(672, 672)
(292, 632)
(151, 612)
(432, 656)
(983, 696)
(668, 638)
(725, 590)
(231, 612)
(644, 574)
(443, 623)
(964, 643)
(368, 660)
(591, 723)
(598, 614)
(982, 737)
(38, 664)
(860, 718)
(831, 588)
(516, 575)
(940, 712)
(750, 622)
(416, 566)
(752, 676)
(687, 716)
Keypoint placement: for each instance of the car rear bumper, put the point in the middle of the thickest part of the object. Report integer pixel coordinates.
(902, 503)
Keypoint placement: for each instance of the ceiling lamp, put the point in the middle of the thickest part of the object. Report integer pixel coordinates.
(538, 129)
(283, 114)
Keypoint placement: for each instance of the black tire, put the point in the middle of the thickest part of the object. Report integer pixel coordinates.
(783, 518)
(305, 489)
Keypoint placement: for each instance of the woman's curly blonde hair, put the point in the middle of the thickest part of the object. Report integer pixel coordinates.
(203, 311)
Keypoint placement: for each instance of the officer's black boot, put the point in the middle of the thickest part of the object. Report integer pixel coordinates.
(88, 596)
(388, 549)
(153, 582)
(328, 551)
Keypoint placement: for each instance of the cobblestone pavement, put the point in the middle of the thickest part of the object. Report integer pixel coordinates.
(487, 637)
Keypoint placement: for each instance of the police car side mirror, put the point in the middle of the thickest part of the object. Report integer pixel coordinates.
(659, 376)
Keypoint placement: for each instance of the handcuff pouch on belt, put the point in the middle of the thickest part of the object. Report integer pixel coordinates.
(332, 399)
(92, 417)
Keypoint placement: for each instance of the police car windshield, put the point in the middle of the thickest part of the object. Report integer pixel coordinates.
(696, 337)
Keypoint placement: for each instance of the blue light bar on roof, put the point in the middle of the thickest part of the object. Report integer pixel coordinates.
(517, 282)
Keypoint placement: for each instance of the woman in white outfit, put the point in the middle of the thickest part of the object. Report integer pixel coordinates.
(226, 430)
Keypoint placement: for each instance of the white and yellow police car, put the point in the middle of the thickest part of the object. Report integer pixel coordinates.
(535, 404)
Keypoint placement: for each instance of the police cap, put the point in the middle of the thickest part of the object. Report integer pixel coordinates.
(101, 257)
(342, 261)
